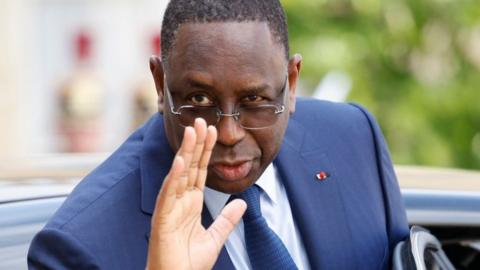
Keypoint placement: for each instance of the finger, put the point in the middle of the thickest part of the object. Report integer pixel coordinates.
(168, 193)
(201, 132)
(210, 141)
(226, 222)
(186, 152)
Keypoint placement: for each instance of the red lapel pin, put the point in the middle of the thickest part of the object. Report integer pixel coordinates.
(321, 176)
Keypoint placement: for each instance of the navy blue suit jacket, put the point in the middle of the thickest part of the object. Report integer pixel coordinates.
(351, 220)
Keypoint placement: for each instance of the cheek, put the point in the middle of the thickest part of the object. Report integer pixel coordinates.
(174, 133)
(272, 140)
(269, 142)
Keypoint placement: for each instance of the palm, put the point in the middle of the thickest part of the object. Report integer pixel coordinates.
(190, 235)
(178, 239)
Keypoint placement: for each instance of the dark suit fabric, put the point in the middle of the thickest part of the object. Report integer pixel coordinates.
(351, 220)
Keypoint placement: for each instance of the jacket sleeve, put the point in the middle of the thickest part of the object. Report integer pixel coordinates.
(397, 224)
(56, 249)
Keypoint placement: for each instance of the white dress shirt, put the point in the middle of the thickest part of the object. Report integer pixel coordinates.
(276, 211)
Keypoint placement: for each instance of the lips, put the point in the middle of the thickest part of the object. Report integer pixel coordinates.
(232, 171)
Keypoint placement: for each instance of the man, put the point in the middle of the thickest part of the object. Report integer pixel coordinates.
(316, 176)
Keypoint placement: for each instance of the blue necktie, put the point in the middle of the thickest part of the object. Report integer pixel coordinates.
(264, 247)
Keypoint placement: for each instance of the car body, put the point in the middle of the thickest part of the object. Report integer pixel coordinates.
(31, 190)
(445, 201)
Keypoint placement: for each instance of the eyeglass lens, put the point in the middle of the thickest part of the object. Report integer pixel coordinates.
(250, 117)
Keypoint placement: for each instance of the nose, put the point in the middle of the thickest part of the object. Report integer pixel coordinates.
(229, 131)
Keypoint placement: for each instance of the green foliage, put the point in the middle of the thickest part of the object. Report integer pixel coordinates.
(414, 63)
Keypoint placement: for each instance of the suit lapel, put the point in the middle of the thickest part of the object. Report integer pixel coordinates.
(317, 206)
(155, 162)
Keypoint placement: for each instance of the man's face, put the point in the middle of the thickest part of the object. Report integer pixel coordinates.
(227, 65)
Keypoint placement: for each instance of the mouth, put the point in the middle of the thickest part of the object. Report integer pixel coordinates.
(232, 171)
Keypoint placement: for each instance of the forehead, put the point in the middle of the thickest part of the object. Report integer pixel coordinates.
(226, 51)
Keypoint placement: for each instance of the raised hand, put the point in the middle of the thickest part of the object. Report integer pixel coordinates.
(177, 239)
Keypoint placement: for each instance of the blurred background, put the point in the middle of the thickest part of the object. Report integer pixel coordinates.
(414, 63)
(74, 75)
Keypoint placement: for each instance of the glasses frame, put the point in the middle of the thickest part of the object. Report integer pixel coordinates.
(279, 108)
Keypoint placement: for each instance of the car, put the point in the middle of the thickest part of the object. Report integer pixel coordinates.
(444, 201)
(447, 203)
(31, 190)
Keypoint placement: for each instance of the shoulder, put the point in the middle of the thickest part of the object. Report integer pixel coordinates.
(336, 118)
(314, 109)
(108, 184)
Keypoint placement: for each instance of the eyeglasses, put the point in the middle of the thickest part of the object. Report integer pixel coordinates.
(248, 117)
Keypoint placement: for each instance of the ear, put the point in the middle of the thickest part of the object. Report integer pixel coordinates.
(294, 66)
(156, 67)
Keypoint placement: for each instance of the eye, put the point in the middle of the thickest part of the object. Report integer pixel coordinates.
(253, 99)
(201, 100)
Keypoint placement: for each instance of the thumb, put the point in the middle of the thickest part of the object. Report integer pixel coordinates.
(226, 222)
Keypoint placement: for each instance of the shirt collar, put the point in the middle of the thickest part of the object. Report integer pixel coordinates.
(216, 200)
(269, 183)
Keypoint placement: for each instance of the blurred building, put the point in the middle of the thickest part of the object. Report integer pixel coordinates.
(80, 102)
(35, 41)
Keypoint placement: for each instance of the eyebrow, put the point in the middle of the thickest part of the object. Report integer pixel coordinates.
(198, 84)
(258, 88)
(248, 89)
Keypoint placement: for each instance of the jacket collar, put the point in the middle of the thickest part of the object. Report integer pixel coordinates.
(155, 162)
